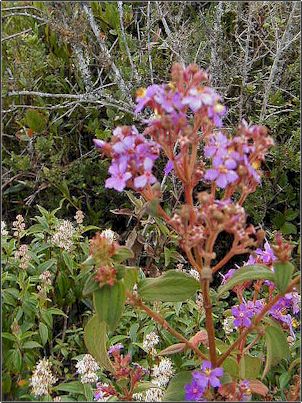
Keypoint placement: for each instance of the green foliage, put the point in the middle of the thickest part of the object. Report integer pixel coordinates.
(172, 286)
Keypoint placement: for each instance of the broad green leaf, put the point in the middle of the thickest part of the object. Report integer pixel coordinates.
(16, 360)
(109, 303)
(95, 337)
(172, 286)
(90, 285)
(56, 311)
(283, 275)
(176, 388)
(252, 366)
(43, 331)
(277, 347)
(246, 273)
(284, 380)
(71, 387)
(231, 367)
(288, 228)
(31, 344)
(123, 253)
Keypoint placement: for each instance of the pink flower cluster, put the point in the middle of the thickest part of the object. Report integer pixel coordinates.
(237, 160)
(132, 156)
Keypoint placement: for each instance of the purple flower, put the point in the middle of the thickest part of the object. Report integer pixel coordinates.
(126, 146)
(118, 177)
(267, 256)
(229, 274)
(169, 101)
(147, 177)
(252, 172)
(193, 391)
(222, 172)
(144, 96)
(245, 391)
(115, 348)
(208, 376)
(242, 315)
(293, 299)
(99, 143)
(169, 167)
(215, 144)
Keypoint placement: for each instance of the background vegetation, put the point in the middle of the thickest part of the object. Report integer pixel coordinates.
(70, 71)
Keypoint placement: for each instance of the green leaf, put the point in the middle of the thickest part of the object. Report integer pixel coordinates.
(283, 275)
(123, 253)
(252, 366)
(68, 261)
(284, 380)
(288, 228)
(291, 214)
(31, 344)
(277, 347)
(143, 386)
(176, 388)
(95, 337)
(56, 311)
(71, 387)
(36, 120)
(246, 273)
(43, 331)
(90, 286)
(16, 360)
(231, 366)
(109, 303)
(130, 277)
(172, 286)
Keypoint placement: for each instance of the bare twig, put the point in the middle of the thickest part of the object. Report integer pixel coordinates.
(149, 47)
(121, 14)
(118, 76)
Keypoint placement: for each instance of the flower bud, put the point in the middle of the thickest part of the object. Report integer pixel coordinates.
(203, 197)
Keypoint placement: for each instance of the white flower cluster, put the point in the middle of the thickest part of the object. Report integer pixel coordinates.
(161, 375)
(23, 256)
(194, 273)
(4, 231)
(42, 378)
(18, 226)
(46, 283)
(228, 325)
(79, 217)
(150, 341)
(87, 367)
(63, 236)
(109, 234)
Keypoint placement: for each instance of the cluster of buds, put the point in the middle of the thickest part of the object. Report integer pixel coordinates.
(282, 249)
(102, 248)
(123, 370)
(106, 275)
(23, 256)
(45, 283)
(79, 217)
(18, 226)
(239, 392)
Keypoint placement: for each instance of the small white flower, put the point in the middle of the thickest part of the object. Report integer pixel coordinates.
(162, 372)
(109, 234)
(87, 367)
(22, 255)
(150, 341)
(42, 378)
(79, 217)
(63, 236)
(18, 226)
(194, 273)
(228, 325)
(4, 232)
